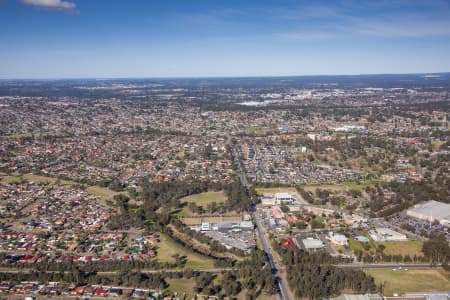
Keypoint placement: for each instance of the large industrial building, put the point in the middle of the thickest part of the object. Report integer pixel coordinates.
(431, 211)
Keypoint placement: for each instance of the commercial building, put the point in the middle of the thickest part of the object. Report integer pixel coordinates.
(312, 244)
(431, 211)
(381, 234)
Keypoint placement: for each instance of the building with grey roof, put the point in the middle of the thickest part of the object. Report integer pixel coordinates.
(431, 211)
(312, 244)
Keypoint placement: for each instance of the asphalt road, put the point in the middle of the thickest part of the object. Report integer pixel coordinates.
(284, 292)
(282, 282)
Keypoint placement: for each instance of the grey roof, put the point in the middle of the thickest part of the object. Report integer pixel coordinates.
(435, 209)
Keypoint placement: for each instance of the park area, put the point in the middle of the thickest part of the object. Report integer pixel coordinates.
(402, 281)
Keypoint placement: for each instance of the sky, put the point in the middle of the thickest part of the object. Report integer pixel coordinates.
(200, 38)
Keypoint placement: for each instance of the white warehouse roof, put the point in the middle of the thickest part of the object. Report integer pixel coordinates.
(431, 210)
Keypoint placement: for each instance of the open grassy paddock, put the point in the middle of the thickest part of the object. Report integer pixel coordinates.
(401, 281)
(168, 248)
(410, 248)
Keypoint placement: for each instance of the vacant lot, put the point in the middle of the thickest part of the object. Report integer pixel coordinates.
(410, 248)
(168, 248)
(402, 281)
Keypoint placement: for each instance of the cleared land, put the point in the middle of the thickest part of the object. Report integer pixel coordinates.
(402, 281)
(168, 248)
(410, 248)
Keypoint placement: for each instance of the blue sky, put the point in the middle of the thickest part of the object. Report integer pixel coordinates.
(185, 38)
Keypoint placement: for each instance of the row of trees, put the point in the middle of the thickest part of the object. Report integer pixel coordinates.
(313, 276)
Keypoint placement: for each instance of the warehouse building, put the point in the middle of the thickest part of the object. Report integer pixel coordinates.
(431, 211)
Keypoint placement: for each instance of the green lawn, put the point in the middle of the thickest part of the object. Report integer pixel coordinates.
(402, 281)
(168, 247)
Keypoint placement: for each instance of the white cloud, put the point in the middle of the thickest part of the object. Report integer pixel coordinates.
(52, 4)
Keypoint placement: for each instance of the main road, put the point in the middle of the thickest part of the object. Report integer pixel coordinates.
(283, 287)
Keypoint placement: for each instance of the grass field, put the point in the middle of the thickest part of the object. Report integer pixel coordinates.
(195, 261)
(184, 287)
(204, 199)
(402, 281)
(410, 248)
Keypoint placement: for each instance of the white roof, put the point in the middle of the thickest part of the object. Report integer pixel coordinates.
(433, 209)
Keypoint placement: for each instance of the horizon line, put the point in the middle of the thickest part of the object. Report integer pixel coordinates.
(217, 76)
